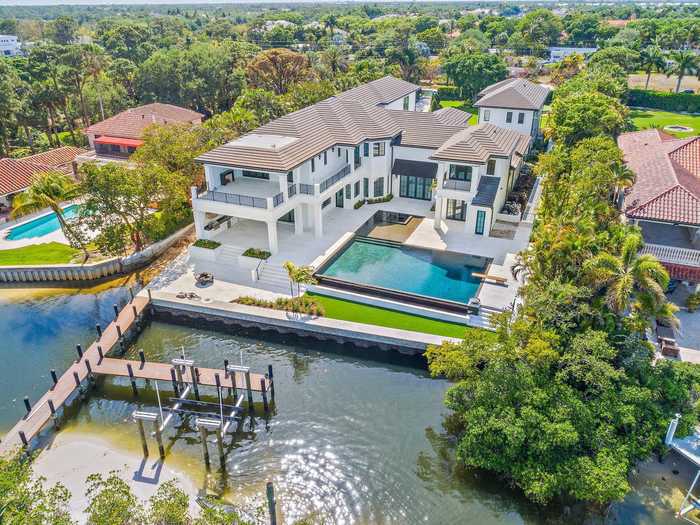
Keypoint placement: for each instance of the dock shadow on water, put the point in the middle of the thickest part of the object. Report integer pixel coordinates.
(354, 436)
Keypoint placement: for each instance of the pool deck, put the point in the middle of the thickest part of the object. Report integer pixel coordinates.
(55, 236)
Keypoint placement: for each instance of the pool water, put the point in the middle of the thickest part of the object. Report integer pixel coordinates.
(438, 274)
(42, 225)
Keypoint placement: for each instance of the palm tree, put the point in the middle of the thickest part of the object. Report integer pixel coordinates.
(629, 277)
(49, 190)
(652, 59)
(624, 178)
(299, 275)
(685, 62)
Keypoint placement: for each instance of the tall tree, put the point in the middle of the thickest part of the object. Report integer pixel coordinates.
(683, 62)
(10, 103)
(277, 69)
(63, 30)
(472, 72)
(652, 59)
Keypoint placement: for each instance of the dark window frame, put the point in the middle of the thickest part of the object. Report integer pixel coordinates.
(456, 210)
(491, 167)
(509, 117)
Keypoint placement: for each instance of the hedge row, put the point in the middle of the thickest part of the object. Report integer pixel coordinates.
(449, 93)
(687, 102)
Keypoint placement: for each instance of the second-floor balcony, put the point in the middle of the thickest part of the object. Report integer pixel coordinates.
(339, 175)
(672, 244)
(247, 192)
(455, 184)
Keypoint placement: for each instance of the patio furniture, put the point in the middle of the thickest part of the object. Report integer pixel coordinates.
(667, 341)
(204, 278)
(486, 277)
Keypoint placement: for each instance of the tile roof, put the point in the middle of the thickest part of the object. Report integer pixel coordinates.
(132, 122)
(381, 91)
(16, 174)
(513, 93)
(486, 191)
(667, 187)
(452, 116)
(424, 129)
(476, 144)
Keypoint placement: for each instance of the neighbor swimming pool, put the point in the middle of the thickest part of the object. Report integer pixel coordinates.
(404, 272)
(41, 225)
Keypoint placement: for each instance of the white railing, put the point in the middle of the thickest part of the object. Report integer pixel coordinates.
(671, 254)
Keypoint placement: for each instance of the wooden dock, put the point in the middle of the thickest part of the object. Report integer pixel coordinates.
(94, 361)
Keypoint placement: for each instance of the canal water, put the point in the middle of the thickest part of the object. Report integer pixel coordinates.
(355, 437)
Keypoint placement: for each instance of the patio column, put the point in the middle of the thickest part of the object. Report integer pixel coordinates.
(200, 220)
(272, 236)
(439, 201)
(298, 220)
(318, 220)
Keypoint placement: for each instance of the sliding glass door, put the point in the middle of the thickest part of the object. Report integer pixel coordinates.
(413, 187)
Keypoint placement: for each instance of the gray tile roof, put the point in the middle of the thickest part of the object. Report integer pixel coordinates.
(132, 122)
(452, 116)
(476, 144)
(423, 129)
(486, 191)
(513, 93)
(381, 91)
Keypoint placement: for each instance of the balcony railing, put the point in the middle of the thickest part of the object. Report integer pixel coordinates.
(292, 190)
(306, 189)
(335, 178)
(453, 184)
(234, 198)
(278, 199)
(671, 254)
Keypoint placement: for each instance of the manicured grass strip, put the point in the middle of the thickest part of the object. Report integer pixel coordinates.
(36, 254)
(464, 107)
(362, 313)
(651, 118)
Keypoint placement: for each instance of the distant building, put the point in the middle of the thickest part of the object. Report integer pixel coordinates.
(557, 54)
(9, 46)
(117, 137)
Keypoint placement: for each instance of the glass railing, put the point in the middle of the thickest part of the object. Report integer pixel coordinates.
(453, 184)
(335, 178)
(234, 198)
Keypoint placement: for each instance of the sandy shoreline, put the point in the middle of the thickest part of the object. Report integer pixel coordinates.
(72, 457)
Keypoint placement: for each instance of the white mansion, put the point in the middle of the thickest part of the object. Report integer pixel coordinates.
(367, 143)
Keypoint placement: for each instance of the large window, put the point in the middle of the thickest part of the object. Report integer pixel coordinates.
(458, 172)
(509, 117)
(487, 115)
(413, 187)
(313, 165)
(325, 158)
(521, 118)
(348, 191)
(406, 102)
(379, 187)
(456, 210)
(491, 167)
(357, 189)
(366, 149)
(378, 148)
(480, 220)
(290, 177)
(365, 187)
(256, 174)
(326, 203)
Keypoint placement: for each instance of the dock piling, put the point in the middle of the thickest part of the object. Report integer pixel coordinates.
(130, 370)
(23, 437)
(79, 349)
(27, 405)
(98, 328)
(89, 368)
(135, 312)
(52, 408)
(271, 503)
(142, 357)
(116, 311)
(77, 379)
(148, 291)
(176, 389)
(131, 293)
(159, 439)
(99, 353)
(54, 378)
(264, 394)
(226, 376)
(249, 387)
(142, 433)
(119, 332)
(193, 375)
(220, 443)
(205, 450)
(272, 382)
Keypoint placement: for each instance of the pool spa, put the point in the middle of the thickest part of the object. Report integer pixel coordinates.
(432, 278)
(41, 226)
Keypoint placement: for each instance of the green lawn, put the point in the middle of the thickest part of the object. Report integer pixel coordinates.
(652, 118)
(361, 313)
(464, 107)
(47, 253)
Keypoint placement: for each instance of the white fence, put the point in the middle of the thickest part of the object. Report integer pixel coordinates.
(671, 254)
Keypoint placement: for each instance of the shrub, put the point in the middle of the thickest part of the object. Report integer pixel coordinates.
(511, 208)
(359, 204)
(378, 200)
(687, 102)
(257, 253)
(693, 301)
(449, 93)
(302, 305)
(205, 243)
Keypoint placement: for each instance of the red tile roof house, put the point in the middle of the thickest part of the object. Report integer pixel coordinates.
(117, 137)
(665, 199)
(16, 174)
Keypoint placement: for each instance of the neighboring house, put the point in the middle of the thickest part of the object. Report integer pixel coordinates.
(557, 54)
(117, 137)
(665, 199)
(16, 174)
(514, 103)
(9, 46)
(365, 143)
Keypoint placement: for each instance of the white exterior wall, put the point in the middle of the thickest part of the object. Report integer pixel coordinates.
(398, 103)
(9, 46)
(497, 117)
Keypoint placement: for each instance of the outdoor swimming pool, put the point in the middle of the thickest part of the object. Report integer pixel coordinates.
(41, 225)
(446, 276)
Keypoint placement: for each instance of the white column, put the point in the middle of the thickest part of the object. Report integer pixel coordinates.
(318, 220)
(437, 222)
(298, 220)
(200, 220)
(272, 236)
